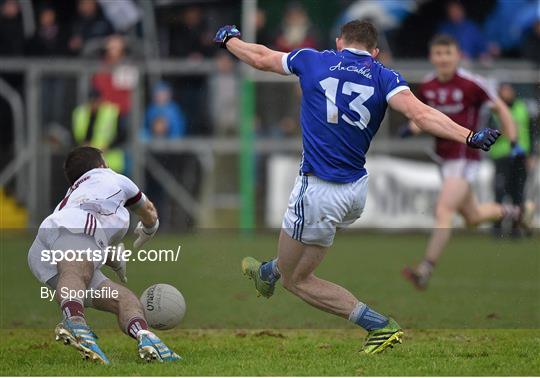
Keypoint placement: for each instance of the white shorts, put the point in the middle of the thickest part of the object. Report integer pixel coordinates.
(462, 168)
(317, 208)
(61, 239)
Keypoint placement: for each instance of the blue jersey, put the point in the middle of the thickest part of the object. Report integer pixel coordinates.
(344, 98)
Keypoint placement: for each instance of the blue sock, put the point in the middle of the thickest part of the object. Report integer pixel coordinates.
(367, 318)
(269, 271)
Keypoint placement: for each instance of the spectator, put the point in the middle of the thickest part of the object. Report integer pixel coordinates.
(96, 124)
(47, 40)
(263, 36)
(511, 171)
(531, 44)
(164, 119)
(296, 30)
(116, 79)
(468, 35)
(160, 128)
(191, 38)
(11, 29)
(512, 14)
(224, 109)
(88, 24)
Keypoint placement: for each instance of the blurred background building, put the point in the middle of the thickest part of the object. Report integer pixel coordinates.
(216, 144)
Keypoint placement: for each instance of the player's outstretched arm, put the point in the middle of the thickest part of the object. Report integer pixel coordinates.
(147, 213)
(148, 224)
(508, 125)
(436, 123)
(257, 56)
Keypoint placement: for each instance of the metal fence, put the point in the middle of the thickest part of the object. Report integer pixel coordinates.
(31, 165)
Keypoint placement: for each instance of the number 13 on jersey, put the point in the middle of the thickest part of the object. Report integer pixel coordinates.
(364, 92)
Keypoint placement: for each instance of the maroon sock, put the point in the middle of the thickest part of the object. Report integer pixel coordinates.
(135, 325)
(72, 308)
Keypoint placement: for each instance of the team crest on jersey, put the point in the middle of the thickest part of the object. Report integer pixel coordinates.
(443, 95)
(457, 95)
(430, 95)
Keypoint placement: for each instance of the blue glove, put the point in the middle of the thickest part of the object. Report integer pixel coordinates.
(225, 33)
(517, 151)
(483, 139)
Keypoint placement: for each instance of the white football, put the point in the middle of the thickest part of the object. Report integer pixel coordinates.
(164, 306)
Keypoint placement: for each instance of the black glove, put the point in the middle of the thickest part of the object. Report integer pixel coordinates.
(225, 33)
(483, 139)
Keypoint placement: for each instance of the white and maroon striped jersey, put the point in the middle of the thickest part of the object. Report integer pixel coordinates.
(96, 204)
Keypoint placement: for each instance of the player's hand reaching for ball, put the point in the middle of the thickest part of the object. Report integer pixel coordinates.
(144, 233)
(483, 139)
(121, 265)
(225, 33)
(117, 261)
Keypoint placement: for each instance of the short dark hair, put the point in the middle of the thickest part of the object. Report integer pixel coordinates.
(81, 160)
(362, 32)
(443, 40)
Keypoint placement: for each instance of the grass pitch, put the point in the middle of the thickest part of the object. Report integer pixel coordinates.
(286, 352)
(480, 316)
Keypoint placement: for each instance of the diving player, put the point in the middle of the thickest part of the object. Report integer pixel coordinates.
(460, 95)
(345, 95)
(93, 216)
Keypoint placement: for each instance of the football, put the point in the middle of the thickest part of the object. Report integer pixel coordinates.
(164, 306)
